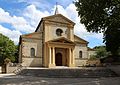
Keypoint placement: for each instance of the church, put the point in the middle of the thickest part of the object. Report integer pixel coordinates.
(54, 44)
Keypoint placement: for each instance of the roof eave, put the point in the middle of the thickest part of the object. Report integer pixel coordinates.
(39, 24)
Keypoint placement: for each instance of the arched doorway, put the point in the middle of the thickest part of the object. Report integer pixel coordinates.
(58, 59)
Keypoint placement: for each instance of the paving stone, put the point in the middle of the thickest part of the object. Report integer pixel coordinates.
(68, 73)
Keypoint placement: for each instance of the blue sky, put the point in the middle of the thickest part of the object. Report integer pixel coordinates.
(18, 17)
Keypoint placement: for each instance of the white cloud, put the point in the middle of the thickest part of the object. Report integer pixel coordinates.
(12, 34)
(4, 16)
(18, 23)
(31, 17)
(34, 15)
(79, 28)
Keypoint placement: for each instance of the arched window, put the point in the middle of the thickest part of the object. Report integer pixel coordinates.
(32, 52)
(80, 54)
(59, 32)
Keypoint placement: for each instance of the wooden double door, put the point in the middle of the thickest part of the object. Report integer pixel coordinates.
(58, 59)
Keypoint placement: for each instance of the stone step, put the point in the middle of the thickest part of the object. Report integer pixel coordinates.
(68, 73)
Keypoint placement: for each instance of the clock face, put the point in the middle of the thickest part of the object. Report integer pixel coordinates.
(59, 32)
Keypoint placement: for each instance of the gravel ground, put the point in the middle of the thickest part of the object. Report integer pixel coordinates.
(29, 80)
(12, 79)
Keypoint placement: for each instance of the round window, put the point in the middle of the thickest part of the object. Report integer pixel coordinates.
(59, 32)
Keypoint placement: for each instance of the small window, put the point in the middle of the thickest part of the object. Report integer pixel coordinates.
(59, 32)
(80, 54)
(32, 52)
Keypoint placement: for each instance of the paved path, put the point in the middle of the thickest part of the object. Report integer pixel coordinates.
(12, 79)
(115, 68)
(28, 80)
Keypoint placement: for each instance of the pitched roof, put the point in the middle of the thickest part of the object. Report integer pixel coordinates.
(49, 18)
(58, 15)
(27, 35)
(80, 40)
(90, 49)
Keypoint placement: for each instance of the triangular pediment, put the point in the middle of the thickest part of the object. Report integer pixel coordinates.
(59, 18)
(62, 40)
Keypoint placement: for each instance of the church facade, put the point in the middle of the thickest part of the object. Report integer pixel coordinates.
(53, 44)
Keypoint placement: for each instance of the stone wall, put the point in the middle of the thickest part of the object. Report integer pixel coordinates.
(50, 32)
(36, 43)
(13, 67)
(27, 45)
(37, 62)
(83, 48)
(80, 61)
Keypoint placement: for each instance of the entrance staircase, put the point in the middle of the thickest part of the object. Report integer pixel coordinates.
(68, 72)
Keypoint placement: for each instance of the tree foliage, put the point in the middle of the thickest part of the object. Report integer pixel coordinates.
(7, 49)
(102, 16)
(101, 52)
(112, 37)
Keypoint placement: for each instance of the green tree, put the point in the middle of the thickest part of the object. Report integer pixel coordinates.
(102, 16)
(7, 49)
(101, 52)
(112, 37)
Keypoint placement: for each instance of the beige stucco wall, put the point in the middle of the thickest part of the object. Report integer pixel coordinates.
(80, 61)
(50, 32)
(27, 45)
(27, 60)
(33, 42)
(11, 69)
(32, 62)
(80, 47)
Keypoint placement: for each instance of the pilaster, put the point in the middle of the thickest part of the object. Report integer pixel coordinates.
(71, 58)
(51, 57)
